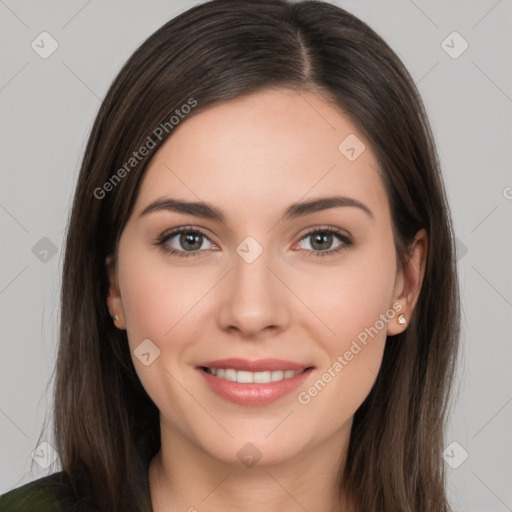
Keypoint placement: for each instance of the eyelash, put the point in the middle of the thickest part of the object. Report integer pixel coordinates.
(164, 238)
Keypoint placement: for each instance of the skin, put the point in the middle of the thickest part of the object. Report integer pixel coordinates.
(251, 157)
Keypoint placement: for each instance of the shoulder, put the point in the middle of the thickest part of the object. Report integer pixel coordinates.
(48, 494)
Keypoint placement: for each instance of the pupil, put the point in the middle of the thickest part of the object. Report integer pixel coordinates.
(324, 238)
(189, 239)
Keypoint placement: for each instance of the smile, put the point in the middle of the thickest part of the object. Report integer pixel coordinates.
(253, 383)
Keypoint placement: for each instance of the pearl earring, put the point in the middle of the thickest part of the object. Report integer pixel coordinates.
(115, 318)
(401, 319)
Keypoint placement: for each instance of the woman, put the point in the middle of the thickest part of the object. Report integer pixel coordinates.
(260, 305)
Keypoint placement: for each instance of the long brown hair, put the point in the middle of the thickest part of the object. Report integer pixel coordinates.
(212, 52)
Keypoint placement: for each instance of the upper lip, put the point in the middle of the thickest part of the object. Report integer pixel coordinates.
(254, 366)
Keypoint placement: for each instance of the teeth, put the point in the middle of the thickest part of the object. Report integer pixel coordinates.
(245, 377)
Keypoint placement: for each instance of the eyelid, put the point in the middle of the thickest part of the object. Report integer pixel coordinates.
(186, 228)
(326, 227)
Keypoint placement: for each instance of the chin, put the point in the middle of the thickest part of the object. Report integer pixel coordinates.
(253, 451)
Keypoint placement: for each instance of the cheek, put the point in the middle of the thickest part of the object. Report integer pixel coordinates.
(355, 305)
(156, 296)
(351, 298)
(159, 306)
(160, 303)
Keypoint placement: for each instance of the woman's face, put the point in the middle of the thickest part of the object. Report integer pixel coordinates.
(250, 286)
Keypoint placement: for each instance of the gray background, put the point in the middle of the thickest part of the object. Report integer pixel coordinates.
(47, 109)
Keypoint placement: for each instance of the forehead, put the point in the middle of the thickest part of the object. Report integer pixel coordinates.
(267, 148)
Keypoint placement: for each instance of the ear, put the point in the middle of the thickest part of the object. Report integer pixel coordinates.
(409, 281)
(114, 302)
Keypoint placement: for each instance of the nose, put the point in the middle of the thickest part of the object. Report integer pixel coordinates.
(253, 300)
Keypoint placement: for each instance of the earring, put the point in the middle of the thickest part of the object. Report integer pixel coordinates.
(401, 319)
(115, 318)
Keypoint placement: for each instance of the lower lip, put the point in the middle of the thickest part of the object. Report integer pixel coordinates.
(253, 394)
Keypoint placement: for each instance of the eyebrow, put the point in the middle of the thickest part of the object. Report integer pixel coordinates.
(295, 210)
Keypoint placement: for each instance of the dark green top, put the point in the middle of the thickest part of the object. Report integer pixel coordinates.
(48, 494)
(53, 493)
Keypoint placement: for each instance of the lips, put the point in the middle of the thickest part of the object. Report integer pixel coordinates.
(253, 383)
